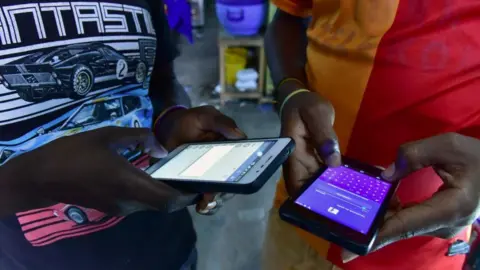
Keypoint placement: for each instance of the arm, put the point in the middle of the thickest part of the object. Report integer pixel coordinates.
(306, 117)
(286, 44)
(165, 90)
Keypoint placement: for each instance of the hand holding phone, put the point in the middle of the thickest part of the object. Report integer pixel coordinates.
(344, 205)
(455, 158)
(308, 118)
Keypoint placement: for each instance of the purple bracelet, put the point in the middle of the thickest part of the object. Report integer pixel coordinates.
(168, 110)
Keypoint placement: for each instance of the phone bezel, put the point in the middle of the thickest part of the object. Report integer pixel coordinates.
(250, 177)
(336, 229)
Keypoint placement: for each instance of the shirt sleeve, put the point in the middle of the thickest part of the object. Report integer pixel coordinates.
(166, 49)
(300, 8)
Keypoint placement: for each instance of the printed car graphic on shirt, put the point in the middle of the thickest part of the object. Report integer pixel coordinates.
(79, 215)
(6, 154)
(72, 71)
(121, 111)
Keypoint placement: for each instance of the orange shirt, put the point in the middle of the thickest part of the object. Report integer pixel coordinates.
(395, 71)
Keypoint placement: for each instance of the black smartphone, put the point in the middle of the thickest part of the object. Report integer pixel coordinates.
(344, 205)
(239, 167)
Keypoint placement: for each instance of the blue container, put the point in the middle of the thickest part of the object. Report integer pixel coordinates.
(241, 17)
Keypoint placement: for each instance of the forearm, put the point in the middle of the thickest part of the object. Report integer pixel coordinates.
(166, 91)
(286, 44)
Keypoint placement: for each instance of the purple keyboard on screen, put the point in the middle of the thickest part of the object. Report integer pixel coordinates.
(356, 182)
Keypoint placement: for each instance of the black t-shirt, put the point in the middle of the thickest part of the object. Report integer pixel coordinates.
(69, 67)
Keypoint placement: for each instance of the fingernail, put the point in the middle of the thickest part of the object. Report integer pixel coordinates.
(334, 160)
(240, 132)
(158, 151)
(203, 211)
(348, 256)
(209, 207)
(389, 172)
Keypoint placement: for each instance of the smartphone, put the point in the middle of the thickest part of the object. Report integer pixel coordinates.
(344, 205)
(239, 167)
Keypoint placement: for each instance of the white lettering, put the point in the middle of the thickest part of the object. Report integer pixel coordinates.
(4, 34)
(57, 9)
(148, 22)
(12, 11)
(135, 11)
(105, 17)
(87, 12)
(120, 20)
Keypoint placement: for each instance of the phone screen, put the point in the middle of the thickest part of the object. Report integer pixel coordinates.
(345, 195)
(223, 162)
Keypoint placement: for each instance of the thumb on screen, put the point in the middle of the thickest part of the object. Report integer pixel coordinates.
(120, 138)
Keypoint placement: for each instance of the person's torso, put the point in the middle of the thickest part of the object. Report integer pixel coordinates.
(65, 68)
(408, 72)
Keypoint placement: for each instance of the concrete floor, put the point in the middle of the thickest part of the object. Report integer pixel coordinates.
(233, 238)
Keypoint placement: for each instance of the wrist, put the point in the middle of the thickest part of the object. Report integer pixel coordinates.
(165, 120)
(290, 99)
(168, 111)
(286, 88)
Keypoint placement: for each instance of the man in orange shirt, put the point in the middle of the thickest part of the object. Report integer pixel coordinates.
(361, 78)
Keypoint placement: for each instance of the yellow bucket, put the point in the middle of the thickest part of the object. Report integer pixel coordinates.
(235, 60)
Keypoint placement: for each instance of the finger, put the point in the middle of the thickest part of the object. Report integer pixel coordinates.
(395, 204)
(209, 205)
(126, 208)
(432, 215)
(120, 138)
(297, 170)
(213, 120)
(304, 161)
(140, 187)
(320, 127)
(300, 167)
(348, 256)
(103, 204)
(206, 199)
(211, 209)
(211, 137)
(447, 233)
(154, 148)
(389, 214)
(420, 219)
(411, 157)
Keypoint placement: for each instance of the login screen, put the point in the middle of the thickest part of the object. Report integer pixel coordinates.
(352, 198)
